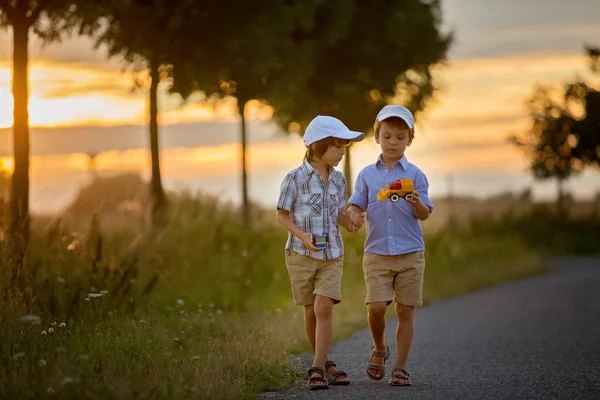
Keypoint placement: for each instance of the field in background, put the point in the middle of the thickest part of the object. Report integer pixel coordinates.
(203, 308)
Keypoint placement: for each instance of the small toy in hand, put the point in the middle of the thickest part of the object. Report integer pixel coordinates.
(394, 191)
(320, 241)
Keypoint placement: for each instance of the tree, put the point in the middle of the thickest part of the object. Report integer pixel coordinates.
(379, 52)
(239, 54)
(549, 141)
(147, 34)
(557, 142)
(47, 19)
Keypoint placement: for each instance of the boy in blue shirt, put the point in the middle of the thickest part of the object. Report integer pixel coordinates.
(394, 261)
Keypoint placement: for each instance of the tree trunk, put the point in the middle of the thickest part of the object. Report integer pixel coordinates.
(560, 200)
(348, 172)
(157, 194)
(245, 203)
(19, 205)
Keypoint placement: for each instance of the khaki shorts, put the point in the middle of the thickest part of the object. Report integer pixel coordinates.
(398, 278)
(310, 277)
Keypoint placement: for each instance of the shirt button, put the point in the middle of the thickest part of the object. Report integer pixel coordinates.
(390, 220)
(390, 237)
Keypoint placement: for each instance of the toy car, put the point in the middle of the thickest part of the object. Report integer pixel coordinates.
(394, 191)
(320, 241)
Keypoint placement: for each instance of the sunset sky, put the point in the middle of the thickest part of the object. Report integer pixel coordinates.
(502, 49)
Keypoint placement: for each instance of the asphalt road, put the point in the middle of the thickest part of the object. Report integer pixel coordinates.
(538, 338)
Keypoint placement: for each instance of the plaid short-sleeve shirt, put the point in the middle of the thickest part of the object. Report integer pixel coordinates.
(314, 205)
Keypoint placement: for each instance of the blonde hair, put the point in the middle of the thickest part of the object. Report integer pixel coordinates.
(395, 121)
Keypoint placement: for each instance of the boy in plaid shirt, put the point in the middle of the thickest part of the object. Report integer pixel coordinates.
(311, 202)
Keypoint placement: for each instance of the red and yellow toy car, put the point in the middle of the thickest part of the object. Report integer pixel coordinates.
(394, 191)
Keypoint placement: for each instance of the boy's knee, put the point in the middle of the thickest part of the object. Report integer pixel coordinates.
(309, 309)
(404, 312)
(377, 309)
(323, 307)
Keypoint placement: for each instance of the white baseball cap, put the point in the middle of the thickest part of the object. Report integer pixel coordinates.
(397, 111)
(323, 126)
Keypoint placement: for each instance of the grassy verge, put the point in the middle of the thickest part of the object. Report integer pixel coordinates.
(200, 310)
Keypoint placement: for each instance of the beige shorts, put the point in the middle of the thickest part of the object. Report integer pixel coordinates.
(398, 278)
(310, 277)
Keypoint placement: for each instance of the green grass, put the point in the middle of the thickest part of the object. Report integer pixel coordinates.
(202, 309)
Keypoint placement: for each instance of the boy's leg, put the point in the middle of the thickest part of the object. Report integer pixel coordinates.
(379, 278)
(310, 325)
(323, 311)
(324, 316)
(376, 320)
(404, 336)
(408, 291)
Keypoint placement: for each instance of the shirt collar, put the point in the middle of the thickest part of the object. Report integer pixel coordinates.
(403, 162)
(308, 170)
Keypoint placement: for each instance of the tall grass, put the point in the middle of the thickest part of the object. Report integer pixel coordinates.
(201, 309)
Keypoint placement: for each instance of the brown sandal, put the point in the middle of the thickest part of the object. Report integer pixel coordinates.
(317, 379)
(371, 365)
(404, 376)
(332, 376)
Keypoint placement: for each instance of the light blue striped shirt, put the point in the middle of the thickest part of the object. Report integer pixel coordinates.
(392, 228)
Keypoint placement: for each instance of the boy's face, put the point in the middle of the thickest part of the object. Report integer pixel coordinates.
(335, 153)
(393, 138)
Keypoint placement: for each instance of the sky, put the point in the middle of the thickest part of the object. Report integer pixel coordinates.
(501, 50)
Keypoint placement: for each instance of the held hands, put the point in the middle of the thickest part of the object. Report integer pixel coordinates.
(357, 220)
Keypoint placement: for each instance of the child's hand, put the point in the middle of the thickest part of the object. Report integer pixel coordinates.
(414, 200)
(307, 240)
(356, 218)
(351, 227)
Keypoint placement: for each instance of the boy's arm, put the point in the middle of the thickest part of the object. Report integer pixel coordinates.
(284, 219)
(420, 210)
(359, 200)
(422, 206)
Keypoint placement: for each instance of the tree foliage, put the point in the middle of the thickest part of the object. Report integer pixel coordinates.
(369, 54)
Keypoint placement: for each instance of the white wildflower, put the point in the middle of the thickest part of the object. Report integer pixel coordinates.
(104, 292)
(62, 325)
(50, 392)
(42, 363)
(180, 302)
(219, 312)
(67, 380)
(94, 295)
(44, 333)
(50, 330)
(141, 321)
(30, 318)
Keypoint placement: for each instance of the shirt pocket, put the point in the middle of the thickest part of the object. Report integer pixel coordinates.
(312, 205)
